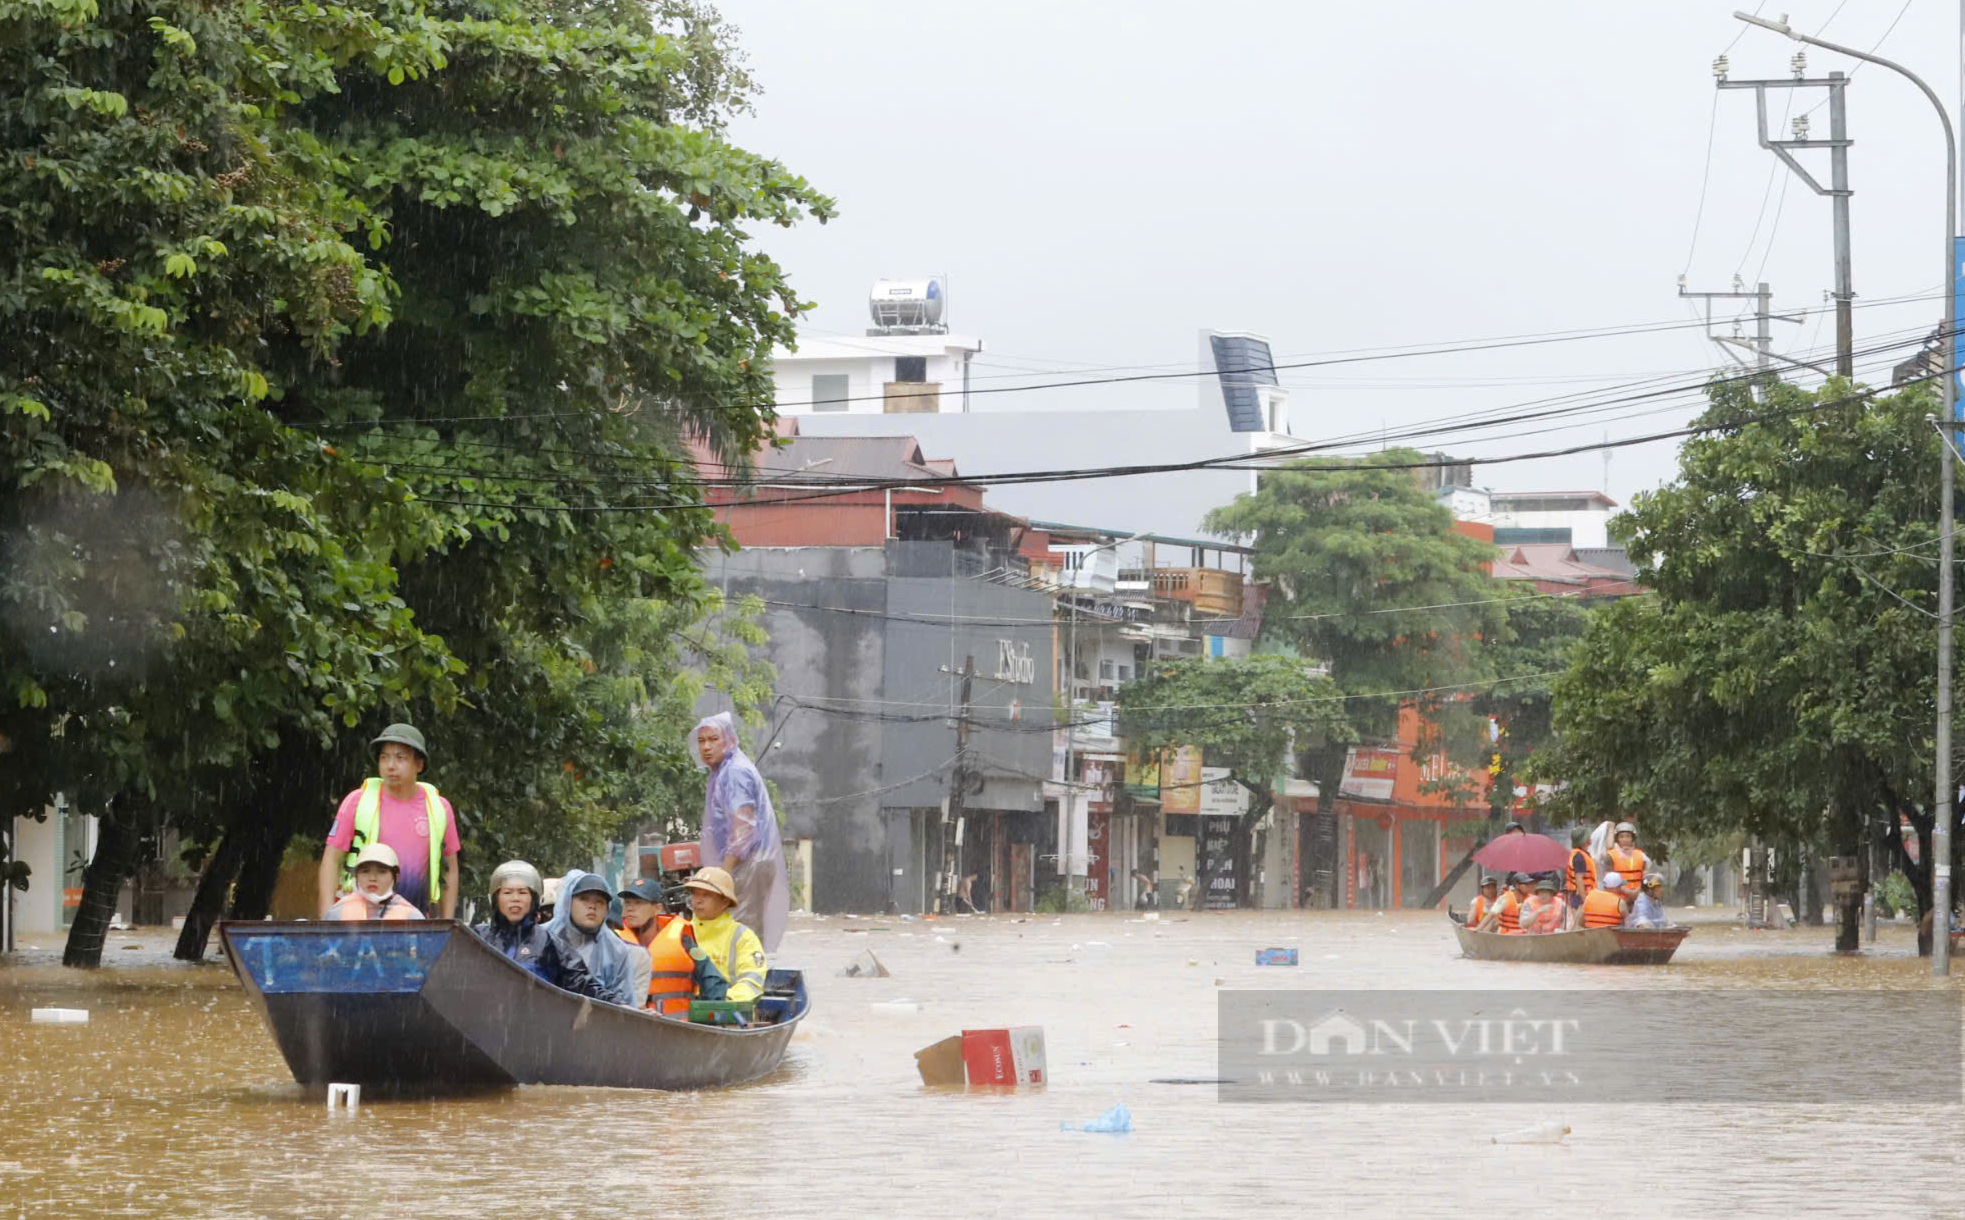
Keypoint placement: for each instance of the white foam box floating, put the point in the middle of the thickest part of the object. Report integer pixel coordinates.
(59, 1016)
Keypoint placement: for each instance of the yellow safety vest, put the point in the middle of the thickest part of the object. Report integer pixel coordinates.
(368, 820)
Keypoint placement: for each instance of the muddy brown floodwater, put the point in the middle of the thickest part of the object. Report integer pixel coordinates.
(172, 1100)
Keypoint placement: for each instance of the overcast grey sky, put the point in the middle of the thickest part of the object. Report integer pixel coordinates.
(1100, 180)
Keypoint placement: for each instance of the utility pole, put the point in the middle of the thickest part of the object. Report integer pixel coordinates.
(1762, 344)
(1838, 189)
(958, 784)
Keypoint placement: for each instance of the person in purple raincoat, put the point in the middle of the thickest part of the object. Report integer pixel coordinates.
(740, 831)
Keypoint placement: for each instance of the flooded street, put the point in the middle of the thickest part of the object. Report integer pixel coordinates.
(172, 1101)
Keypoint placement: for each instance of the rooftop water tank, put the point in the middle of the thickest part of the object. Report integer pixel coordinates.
(908, 303)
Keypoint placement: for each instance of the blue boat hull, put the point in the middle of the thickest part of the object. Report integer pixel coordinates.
(428, 1005)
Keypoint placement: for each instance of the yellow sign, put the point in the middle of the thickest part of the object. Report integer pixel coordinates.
(1180, 780)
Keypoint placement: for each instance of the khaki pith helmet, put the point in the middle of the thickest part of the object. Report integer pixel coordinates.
(715, 880)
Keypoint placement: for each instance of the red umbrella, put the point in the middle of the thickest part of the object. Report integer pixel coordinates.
(1522, 853)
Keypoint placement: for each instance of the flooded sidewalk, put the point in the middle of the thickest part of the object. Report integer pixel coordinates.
(173, 1101)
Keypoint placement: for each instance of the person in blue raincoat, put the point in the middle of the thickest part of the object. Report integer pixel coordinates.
(740, 831)
(579, 931)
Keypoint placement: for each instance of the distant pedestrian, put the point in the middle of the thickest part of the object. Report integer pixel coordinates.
(395, 808)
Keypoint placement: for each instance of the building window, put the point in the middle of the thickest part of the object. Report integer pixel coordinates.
(911, 368)
(829, 392)
(1106, 671)
(1125, 673)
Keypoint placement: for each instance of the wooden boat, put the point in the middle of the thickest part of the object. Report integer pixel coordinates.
(430, 1005)
(1587, 946)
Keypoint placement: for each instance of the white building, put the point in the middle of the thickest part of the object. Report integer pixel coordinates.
(875, 375)
(918, 384)
(49, 847)
(1579, 518)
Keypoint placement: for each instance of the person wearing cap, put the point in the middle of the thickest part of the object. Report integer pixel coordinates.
(1604, 907)
(410, 817)
(1624, 859)
(1543, 912)
(730, 948)
(1483, 901)
(672, 969)
(374, 896)
(579, 932)
(1505, 915)
(1649, 909)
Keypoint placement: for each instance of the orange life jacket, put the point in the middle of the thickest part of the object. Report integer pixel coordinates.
(1543, 917)
(1602, 909)
(1510, 906)
(1630, 865)
(1586, 880)
(671, 982)
(1478, 911)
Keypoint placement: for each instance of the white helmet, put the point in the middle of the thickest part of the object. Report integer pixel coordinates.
(1613, 880)
(517, 872)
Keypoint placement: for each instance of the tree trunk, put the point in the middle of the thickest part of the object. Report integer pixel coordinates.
(117, 841)
(1321, 849)
(1260, 803)
(259, 871)
(209, 901)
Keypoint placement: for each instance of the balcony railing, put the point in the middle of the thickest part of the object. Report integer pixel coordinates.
(1209, 590)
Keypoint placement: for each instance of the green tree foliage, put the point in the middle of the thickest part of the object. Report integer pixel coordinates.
(352, 353)
(1780, 682)
(1371, 578)
(1243, 714)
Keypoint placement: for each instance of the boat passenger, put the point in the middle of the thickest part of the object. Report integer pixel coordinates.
(1484, 901)
(1582, 874)
(740, 831)
(375, 896)
(1624, 859)
(515, 928)
(1505, 916)
(642, 921)
(397, 809)
(1543, 912)
(730, 948)
(1605, 907)
(1649, 909)
(579, 933)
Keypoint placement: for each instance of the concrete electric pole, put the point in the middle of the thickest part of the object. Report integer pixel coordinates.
(1762, 344)
(1838, 189)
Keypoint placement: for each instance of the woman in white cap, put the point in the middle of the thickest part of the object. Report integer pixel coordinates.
(375, 896)
(740, 832)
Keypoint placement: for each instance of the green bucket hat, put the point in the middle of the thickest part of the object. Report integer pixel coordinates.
(404, 735)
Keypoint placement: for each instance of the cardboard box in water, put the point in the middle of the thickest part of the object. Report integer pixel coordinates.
(985, 1056)
(1275, 957)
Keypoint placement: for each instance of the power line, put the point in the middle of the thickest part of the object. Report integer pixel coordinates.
(1269, 462)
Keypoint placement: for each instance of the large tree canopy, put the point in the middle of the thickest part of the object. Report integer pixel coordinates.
(1780, 682)
(1244, 714)
(1370, 577)
(352, 350)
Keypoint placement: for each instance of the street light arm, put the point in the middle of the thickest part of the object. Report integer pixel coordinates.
(1783, 28)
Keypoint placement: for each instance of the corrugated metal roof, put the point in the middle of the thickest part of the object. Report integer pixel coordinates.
(854, 457)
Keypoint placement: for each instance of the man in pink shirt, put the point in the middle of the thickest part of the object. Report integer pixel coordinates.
(396, 810)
